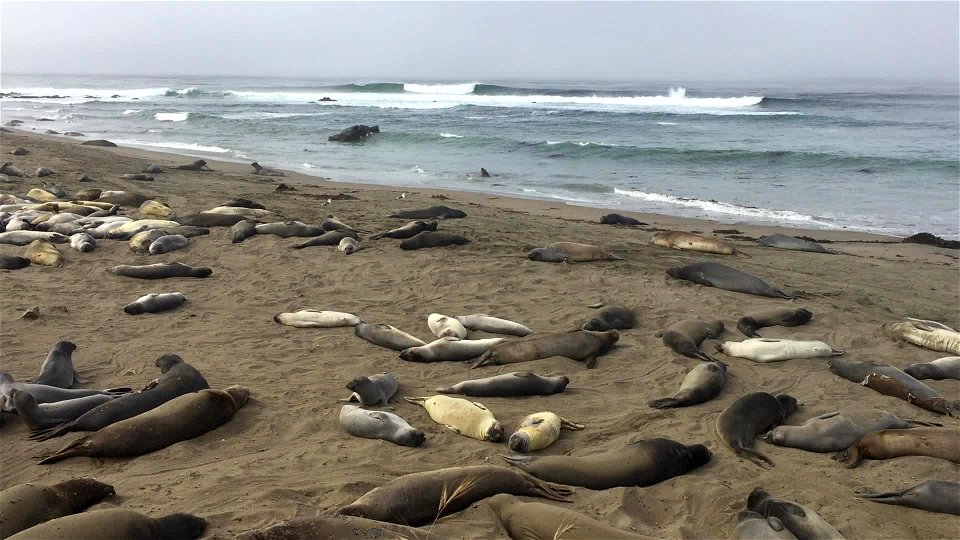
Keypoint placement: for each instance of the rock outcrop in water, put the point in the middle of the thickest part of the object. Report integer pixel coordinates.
(354, 133)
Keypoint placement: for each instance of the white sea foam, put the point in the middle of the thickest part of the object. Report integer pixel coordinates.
(309, 166)
(451, 89)
(131, 111)
(451, 136)
(418, 170)
(666, 123)
(718, 207)
(260, 115)
(194, 147)
(172, 117)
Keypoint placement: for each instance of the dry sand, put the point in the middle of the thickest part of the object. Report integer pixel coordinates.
(283, 454)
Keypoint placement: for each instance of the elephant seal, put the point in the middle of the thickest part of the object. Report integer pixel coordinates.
(198, 165)
(693, 242)
(10, 262)
(386, 336)
(449, 349)
(539, 521)
(685, 337)
(434, 212)
(802, 521)
(311, 318)
(407, 231)
(22, 238)
(748, 324)
(177, 378)
(431, 239)
(124, 198)
(641, 463)
(721, 276)
(467, 418)
(617, 219)
(373, 391)
(44, 171)
(155, 303)
(41, 195)
(832, 432)
(168, 243)
(242, 230)
(493, 325)
(421, 498)
(57, 369)
(89, 194)
(180, 419)
(311, 528)
(703, 383)
(765, 350)
(753, 526)
(116, 523)
(333, 223)
(571, 252)
(45, 394)
(8, 169)
(332, 238)
(947, 367)
(208, 219)
(131, 228)
(265, 171)
(240, 202)
(154, 169)
(46, 415)
(82, 242)
(44, 253)
(160, 271)
(99, 142)
(538, 431)
(579, 345)
(782, 241)
(26, 505)
(933, 496)
(286, 229)
(379, 425)
(890, 381)
(155, 209)
(138, 176)
(611, 318)
(927, 334)
(443, 326)
(750, 416)
(348, 245)
(515, 384)
(140, 242)
(935, 442)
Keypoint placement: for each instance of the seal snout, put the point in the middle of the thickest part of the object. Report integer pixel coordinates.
(495, 432)
(519, 442)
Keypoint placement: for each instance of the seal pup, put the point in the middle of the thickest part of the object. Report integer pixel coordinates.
(57, 369)
(168, 243)
(751, 526)
(248, 213)
(431, 239)
(379, 425)
(641, 463)
(373, 391)
(539, 521)
(160, 271)
(571, 252)
(947, 367)
(123, 198)
(332, 238)
(782, 241)
(407, 231)
(579, 345)
(493, 325)
(8, 169)
(943, 443)
(617, 219)
(765, 350)
(265, 171)
(434, 212)
(116, 523)
(721, 276)
(82, 242)
(467, 418)
(933, 496)
(748, 324)
(685, 337)
(312, 318)
(307, 528)
(286, 229)
(44, 253)
(449, 349)
(348, 245)
(802, 521)
(41, 195)
(443, 326)
(538, 431)
(46, 415)
(198, 165)
(611, 318)
(703, 383)
(242, 230)
(11, 262)
(832, 432)
(208, 219)
(514, 384)
(750, 416)
(693, 242)
(140, 242)
(927, 334)
(240, 202)
(386, 336)
(45, 394)
(22, 238)
(154, 169)
(155, 303)
(890, 381)
(44, 171)
(25, 505)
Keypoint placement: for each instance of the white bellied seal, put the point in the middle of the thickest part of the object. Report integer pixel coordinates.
(379, 425)
(155, 303)
(776, 350)
(312, 318)
(443, 326)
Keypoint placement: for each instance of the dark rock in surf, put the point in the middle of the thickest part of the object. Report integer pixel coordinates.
(354, 133)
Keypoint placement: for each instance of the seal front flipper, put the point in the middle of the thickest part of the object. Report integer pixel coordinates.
(453, 429)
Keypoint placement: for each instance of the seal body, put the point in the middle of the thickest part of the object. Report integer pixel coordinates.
(161, 271)
(43, 393)
(26, 505)
(155, 209)
(776, 350)
(46, 415)
(927, 334)
(538, 431)
(947, 367)
(571, 252)
(168, 243)
(932, 496)
(890, 381)
(57, 369)
(331, 238)
(782, 241)
(703, 383)
(692, 242)
(116, 523)
(210, 219)
(749, 324)
(750, 416)
(450, 349)
(140, 243)
(721, 276)
(431, 239)
(22, 238)
(409, 230)
(753, 526)
(10, 262)
(611, 318)
(348, 245)
(539, 521)
(286, 229)
(509, 385)
(579, 345)
(312, 318)
(831, 432)
(44, 253)
(443, 326)
(242, 230)
(155, 303)
(434, 212)
(387, 336)
(463, 417)
(941, 443)
(379, 425)
(374, 390)
(803, 522)
(617, 219)
(309, 528)
(333, 223)
(82, 242)
(493, 325)
(685, 337)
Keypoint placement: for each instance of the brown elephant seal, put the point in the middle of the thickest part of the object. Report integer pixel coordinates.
(382, 425)
(26, 505)
(387, 336)
(941, 443)
(641, 463)
(314, 528)
(44, 253)
(782, 241)
(579, 345)
(617, 219)
(434, 212)
(753, 526)
(140, 242)
(611, 318)
(703, 383)
(832, 432)
(179, 419)
(242, 230)
(331, 238)
(721, 276)
(748, 324)
(685, 337)
(890, 381)
(571, 252)
(539, 521)
(99, 142)
(509, 385)
(116, 524)
(802, 521)
(422, 498)
(431, 239)
(693, 242)
(210, 219)
(373, 391)
(57, 368)
(407, 231)
(198, 165)
(287, 229)
(947, 367)
(160, 271)
(125, 198)
(750, 416)
(46, 415)
(933, 496)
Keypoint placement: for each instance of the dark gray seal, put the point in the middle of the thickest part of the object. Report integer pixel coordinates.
(374, 390)
(721, 276)
(434, 212)
(783, 316)
(331, 238)
(168, 243)
(802, 521)
(198, 165)
(933, 496)
(240, 202)
(99, 142)
(117, 523)
(449, 349)
(265, 171)
(611, 318)
(387, 336)
(703, 383)
(313, 528)
(515, 384)
(153, 169)
(155, 303)
(11, 262)
(617, 219)
(57, 369)
(938, 370)
(832, 432)
(750, 416)
(782, 241)
(407, 231)
(286, 229)
(38, 416)
(379, 425)
(46, 394)
(210, 219)
(138, 176)
(27, 505)
(889, 380)
(242, 230)
(431, 239)
(160, 271)
(685, 337)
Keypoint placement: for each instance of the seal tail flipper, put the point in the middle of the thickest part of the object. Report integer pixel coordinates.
(754, 456)
(886, 497)
(553, 492)
(446, 390)
(483, 360)
(837, 352)
(49, 433)
(417, 400)
(517, 461)
(566, 423)
(922, 423)
(665, 403)
(744, 253)
(71, 450)
(700, 355)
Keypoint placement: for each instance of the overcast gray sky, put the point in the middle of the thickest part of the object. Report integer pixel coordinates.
(491, 40)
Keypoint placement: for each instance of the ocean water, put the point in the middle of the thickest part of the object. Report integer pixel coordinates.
(863, 156)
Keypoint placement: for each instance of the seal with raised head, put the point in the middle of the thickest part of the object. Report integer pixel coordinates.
(765, 350)
(493, 325)
(721, 276)
(168, 243)
(558, 252)
(617, 219)
(331, 238)
(431, 239)
(539, 521)
(57, 369)
(11, 262)
(947, 367)
(467, 418)
(312, 318)
(703, 383)
(27, 505)
(421, 498)
(890, 381)
(750, 416)
(311, 528)
(943, 443)
(379, 425)
(387, 336)
(44, 253)
(407, 231)
(782, 241)
(802, 521)
(265, 171)
(538, 431)
(333, 223)
(443, 326)
(579, 345)
(374, 390)
(46, 415)
(927, 334)
(155, 303)
(611, 318)
(685, 337)
(782, 316)
(832, 432)
(752, 526)
(641, 463)
(242, 230)
(116, 523)
(693, 242)
(198, 165)
(160, 271)
(449, 349)
(434, 212)
(933, 496)
(514, 384)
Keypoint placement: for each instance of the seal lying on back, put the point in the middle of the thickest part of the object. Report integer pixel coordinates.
(947, 367)
(434, 212)
(571, 252)
(932, 496)
(10, 262)
(515, 384)
(429, 239)
(753, 526)
(26, 505)
(57, 368)
(782, 241)
(927, 334)
(889, 380)
(831, 432)
(579, 345)
(374, 390)
(685, 337)
(611, 318)
(41, 416)
(332, 238)
(803, 522)
(312, 318)
(450, 349)
(641, 463)
(748, 324)
(750, 416)
(387, 336)
(160, 271)
(617, 219)
(467, 418)
(312, 528)
(693, 242)
(379, 425)
(116, 523)
(421, 498)
(703, 383)
(493, 325)
(408, 231)
(721, 276)
(539, 521)
(943, 443)
(776, 350)
(155, 303)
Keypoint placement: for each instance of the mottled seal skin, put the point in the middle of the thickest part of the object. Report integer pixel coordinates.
(703, 383)
(571, 252)
(889, 380)
(332, 238)
(374, 390)
(117, 523)
(415, 499)
(579, 345)
(721, 276)
(379, 425)
(242, 230)
(155, 303)
(387, 336)
(617, 219)
(832, 432)
(26, 505)
(539, 521)
(160, 271)
(41, 416)
(933, 496)
(450, 349)
(941, 443)
(693, 242)
(750, 416)
(927, 334)
(641, 463)
(407, 231)
(312, 528)
(749, 324)
(57, 369)
(753, 526)
(803, 522)
(11, 262)
(434, 212)
(782, 241)
(611, 318)
(685, 337)
(515, 384)
(942, 368)
(431, 239)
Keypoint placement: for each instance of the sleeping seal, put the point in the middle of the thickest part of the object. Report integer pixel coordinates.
(387, 336)
(750, 416)
(617, 219)
(753, 526)
(493, 325)
(538, 431)
(703, 383)
(767, 350)
(685, 337)
(168, 243)
(82, 242)
(155, 209)
(312, 318)
(160, 271)
(26, 505)
(539, 521)
(890, 381)
(802, 521)
(579, 345)
(311, 528)
(140, 242)
(348, 245)
(431, 239)
(831, 432)
(943, 443)
(407, 231)
(379, 425)
(11, 262)
(116, 523)
(434, 212)
(449, 349)
(443, 326)
(932, 496)
(571, 252)
(611, 318)
(748, 324)
(286, 229)
(242, 230)
(155, 303)
(45, 394)
(209, 219)
(332, 238)
(927, 334)
(515, 384)
(373, 391)
(947, 367)
(57, 369)
(44, 253)
(198, 165)
(693, 242)
(467, 418)
(22, 238)
(721, 276)
(782, 241)
(41, 416)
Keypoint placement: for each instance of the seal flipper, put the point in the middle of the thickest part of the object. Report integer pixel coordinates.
(55, 431)
(521, 462)
(119, 390)
(417, 400)
(547, 490)
(886, 497)
(73, 449)
(484, 359)
(754, 456)
(850, 457)
(666, 403)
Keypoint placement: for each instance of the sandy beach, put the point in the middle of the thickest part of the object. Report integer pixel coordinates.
(283, 454)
